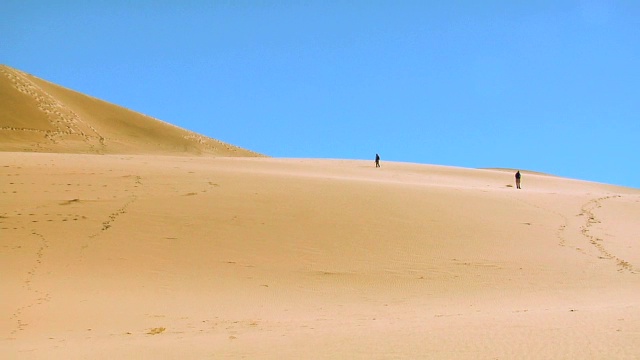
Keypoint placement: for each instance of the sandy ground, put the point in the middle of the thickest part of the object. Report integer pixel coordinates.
(144, 256)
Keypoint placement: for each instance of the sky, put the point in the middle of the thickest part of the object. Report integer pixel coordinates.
(547, 86)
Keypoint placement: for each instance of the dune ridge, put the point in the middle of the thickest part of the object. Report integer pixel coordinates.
(36, 115)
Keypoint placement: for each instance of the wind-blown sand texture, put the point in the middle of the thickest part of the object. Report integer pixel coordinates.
(173, 256)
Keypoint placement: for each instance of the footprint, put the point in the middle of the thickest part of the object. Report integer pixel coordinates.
(156, 331)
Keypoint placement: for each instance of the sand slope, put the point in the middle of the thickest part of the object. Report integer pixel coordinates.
(146, 256)
(36, 115)
(125, 237)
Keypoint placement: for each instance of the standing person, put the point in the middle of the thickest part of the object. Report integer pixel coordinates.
(377, 160)
(518, 176)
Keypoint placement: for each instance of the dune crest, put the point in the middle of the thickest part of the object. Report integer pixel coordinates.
(38, 116)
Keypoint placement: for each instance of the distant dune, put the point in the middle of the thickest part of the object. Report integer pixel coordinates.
(38, 116)
(143, 252)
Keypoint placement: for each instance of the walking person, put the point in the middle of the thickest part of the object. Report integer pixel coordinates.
(377, 160)
(518, 176)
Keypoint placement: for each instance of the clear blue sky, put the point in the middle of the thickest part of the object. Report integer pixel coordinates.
(550, 86)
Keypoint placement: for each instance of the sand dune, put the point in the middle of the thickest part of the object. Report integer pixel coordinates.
(154, 254)
(200, 257)
(39, 116)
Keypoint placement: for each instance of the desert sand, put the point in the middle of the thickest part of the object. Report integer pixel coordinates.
(39, 116)
(144, 249)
